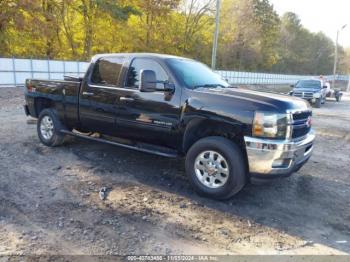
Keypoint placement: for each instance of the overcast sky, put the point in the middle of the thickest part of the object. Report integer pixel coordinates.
(320, 15)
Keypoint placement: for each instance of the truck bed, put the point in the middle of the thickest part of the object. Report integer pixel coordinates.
(64, 95)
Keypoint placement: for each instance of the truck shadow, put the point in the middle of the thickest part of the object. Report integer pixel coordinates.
(306, 205)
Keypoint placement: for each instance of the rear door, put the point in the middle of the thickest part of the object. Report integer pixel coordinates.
(99, 95)
(148, 116)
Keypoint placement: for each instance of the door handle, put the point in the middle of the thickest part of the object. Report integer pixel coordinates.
(123, 98)
(88, 94)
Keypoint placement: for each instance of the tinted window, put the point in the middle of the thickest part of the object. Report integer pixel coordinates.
(138, 64)
(195, 74)
(107, 70)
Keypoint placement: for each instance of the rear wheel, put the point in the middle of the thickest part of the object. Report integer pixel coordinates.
(49, 127)
(216, 167)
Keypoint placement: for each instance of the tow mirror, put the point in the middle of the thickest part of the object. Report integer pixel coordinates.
(148, 82)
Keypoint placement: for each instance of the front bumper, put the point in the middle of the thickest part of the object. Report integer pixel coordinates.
(271, 158)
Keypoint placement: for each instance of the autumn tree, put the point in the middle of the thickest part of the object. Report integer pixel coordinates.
(303, 52)
(249, 30)
(252, 36)
(90, 9)
(12, 14)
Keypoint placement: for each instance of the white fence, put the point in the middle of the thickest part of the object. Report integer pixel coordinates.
(261, 78)
(13, 72)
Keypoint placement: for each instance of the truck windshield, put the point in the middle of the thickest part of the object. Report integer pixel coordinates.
(194, 74)
(308, 84)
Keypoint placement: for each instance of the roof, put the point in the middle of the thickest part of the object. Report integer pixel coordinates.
(154, 55)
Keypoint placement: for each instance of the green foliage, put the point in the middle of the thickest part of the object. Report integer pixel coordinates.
(249, 33)
(252, 36)
(115, 10)
(300, 51)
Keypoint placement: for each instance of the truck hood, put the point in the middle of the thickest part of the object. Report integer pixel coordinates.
(255, 100)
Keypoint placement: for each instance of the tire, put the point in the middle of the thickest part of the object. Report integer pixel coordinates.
(48, 128)
(318, 103)
(235, 177)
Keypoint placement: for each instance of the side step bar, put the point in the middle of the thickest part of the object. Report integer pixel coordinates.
(160, 151)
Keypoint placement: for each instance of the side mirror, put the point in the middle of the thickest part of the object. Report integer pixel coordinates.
(292, 86)
(325, 87)
(168, 87)
(148, 82)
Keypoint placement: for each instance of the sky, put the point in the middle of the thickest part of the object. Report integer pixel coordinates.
(320, 15)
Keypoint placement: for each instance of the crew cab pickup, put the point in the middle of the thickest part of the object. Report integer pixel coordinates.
(177, 107)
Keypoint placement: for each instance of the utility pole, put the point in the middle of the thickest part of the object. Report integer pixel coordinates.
(216, 35)
(336, 55)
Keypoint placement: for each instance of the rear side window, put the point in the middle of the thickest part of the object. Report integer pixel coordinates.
(138, 64)
(107, 70)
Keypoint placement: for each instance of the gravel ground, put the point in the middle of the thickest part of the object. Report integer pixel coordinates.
(49, 201)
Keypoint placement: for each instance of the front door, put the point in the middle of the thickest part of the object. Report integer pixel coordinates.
(151, 117)
(99, 95)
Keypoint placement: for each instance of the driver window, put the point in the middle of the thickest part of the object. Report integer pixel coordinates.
(138, 64)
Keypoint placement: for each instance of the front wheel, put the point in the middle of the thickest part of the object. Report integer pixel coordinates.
(216, 167)
(49, 127)
(318, 103)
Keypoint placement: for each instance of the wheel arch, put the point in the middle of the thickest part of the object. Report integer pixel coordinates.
(201, 128)
(41, 103)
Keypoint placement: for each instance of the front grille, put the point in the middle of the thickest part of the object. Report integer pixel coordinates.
(301, 125)
(304, 94)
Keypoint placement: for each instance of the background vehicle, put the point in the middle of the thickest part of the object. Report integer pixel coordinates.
(313, 91)
(173, 106)
(335, 93)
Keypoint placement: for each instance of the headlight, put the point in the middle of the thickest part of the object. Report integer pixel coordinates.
(317, 95)
(271, 125)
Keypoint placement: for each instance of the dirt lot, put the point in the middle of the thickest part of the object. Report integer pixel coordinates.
(49, 201)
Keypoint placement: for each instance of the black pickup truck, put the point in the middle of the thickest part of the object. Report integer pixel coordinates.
(177, 107)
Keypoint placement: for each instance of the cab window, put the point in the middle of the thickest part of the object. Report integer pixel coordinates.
(138, 64)
(107, 70)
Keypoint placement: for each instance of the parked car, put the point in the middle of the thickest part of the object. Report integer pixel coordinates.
(313, 90)
(177, 107)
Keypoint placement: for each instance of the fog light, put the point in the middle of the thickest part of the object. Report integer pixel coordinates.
(281, 163)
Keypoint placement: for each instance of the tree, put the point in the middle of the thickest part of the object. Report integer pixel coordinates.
(249, 30)
(196, 18)
(11, 16)
(90, 10)
(252, 36)
(303, 52)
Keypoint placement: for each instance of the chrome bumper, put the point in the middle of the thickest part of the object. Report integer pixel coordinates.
(270, 158)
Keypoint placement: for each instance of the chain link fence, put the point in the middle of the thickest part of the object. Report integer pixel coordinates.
(13, 72)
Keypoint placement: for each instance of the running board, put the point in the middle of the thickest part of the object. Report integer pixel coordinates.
(156, 150)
